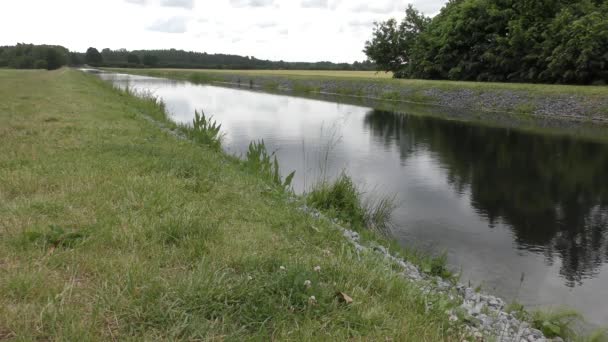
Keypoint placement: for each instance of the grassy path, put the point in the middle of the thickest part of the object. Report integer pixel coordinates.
(113, 230)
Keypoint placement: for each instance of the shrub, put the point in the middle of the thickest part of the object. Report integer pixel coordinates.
(40, 64)
(205, 131)
(55, 59)
(558, 323)
(342, 200)
(266, 164)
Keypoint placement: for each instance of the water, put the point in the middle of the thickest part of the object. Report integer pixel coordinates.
(525, 215)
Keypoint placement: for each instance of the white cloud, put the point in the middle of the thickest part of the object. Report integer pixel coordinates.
(375, 7)
(171, 25)
(187, 4)
(267, 24)
(314, 3)
(359, 23)
(252, 3)
(291, 30)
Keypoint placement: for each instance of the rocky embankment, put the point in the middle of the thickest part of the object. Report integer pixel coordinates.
(485, 316)
(572, 107)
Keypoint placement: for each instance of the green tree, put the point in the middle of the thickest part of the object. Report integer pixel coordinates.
(577, 49)
(55, 58)
(93, 57)
(40, 64)
(553, 41)
(133, 58)
(75, 59)
(393, 44)
(150, 60)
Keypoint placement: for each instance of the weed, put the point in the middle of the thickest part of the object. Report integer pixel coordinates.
(526, 108)
(558, 323)
(379, 212)
(205, 131)
(437, 266)
(600, 335)
(518, 310)
(392, 96)
(271, 86)
(266, 165)
(199, 78)
(419, 97)
(339, 199)
(305, 88)
(342, 200)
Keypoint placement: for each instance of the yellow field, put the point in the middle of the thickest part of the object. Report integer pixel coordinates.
(326, 73)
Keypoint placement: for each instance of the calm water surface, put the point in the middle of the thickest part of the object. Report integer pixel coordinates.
(504, 205)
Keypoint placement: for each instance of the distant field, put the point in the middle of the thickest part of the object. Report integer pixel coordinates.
(535, 89)
(325, 73)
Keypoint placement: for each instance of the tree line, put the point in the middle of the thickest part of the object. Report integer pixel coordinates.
(173, 58)
(539, 41)
(29, 56)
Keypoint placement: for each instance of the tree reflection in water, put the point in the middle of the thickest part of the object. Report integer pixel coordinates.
(552, 191)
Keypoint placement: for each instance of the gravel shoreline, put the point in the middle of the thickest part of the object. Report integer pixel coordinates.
(568, 107)
(484, 315)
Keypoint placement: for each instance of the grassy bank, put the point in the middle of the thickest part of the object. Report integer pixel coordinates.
(113, 229)
(383, 77)
(295, 73)
(582, 103)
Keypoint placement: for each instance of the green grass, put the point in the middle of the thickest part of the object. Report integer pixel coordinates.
(111, 229)
(323, 73)
(565, 323)
(342, 200)
(381, 77)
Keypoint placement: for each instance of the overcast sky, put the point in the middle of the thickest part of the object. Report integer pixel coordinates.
(292, 30)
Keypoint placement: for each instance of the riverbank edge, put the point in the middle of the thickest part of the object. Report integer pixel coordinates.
(483, 315)
(142, 119)
(559, 105)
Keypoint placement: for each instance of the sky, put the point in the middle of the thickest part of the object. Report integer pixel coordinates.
(290, 30)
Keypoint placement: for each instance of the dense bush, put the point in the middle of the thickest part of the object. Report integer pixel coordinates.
(40, 64)
(551, 41)
(93, 57)
(29, 56)
(133, 58)
(341, 199)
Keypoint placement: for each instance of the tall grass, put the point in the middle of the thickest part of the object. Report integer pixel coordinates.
(564, 323)
(342, 200)
(153, 105)
(265, 164)
(204, 130)
(557, 323)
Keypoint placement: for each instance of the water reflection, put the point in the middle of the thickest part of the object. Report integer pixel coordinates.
(552, 192)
